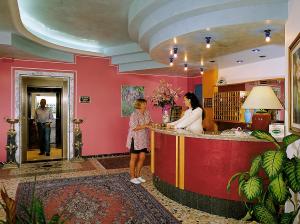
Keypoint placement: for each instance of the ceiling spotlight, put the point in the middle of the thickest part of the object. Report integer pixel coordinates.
(171, 52)
(239, 61)
(267, 35)
(255, 50)
(175, 51)
(171, 61)
(174, 40)
(207, 39)
(262, 56)
(185, 67)
(201, 71)
(185, 58)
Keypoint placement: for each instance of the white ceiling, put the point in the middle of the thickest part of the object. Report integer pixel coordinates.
(138, 34)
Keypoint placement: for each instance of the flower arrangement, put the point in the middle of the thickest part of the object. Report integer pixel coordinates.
(165, 95)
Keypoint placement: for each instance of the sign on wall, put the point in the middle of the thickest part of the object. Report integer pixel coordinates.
(85, 99)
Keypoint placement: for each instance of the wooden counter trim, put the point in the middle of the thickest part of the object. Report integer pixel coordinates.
(177, 162)
(181, 161)
(152, 147)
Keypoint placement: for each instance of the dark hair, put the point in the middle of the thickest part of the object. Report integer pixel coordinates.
(194, 102)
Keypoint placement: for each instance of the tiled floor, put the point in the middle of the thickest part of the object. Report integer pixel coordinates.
(65, 169)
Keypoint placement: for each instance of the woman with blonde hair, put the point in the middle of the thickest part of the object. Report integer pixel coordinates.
(138, 139)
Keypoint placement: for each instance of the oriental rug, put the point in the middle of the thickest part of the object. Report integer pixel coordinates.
(95, 199)
(120, 162)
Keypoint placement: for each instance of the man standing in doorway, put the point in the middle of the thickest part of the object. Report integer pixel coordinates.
(43, 118)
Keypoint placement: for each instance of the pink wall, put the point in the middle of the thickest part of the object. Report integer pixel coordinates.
(104, 130)
(192, 82)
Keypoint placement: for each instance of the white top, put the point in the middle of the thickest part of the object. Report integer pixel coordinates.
(191, 121)
(43, 115)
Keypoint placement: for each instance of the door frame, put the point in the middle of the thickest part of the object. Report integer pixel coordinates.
(57, 91)
(67, 80)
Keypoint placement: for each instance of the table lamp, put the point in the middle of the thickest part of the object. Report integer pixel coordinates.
(261, 98)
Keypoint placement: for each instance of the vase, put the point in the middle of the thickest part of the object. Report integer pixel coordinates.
(166, 114)
(247, 116)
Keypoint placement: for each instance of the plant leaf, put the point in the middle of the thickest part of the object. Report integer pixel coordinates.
(265, 136)
(256, 164)
(241, 185)
(279, 189)
(262, 214)
(269, 204)
(287, 140)
(242, 180)
(288, 218)
(55, 219)
(297, 169)
(290, 171)
(231, 180)
(39, 211)
(252, 188)
(272, 162)
(9, 206)
(248, 216)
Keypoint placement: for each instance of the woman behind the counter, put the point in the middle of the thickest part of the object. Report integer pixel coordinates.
(192, 118)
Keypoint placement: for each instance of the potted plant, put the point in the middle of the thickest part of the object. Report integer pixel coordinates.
(34, 213)
(265, 193)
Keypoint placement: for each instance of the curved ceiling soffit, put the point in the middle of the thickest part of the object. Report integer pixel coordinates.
(189, 18)
(26, 32)
(138, 11)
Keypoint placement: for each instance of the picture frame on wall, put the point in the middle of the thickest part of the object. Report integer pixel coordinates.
(294, 86)
(128, 95)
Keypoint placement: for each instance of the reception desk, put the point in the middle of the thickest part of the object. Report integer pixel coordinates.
(194, 169)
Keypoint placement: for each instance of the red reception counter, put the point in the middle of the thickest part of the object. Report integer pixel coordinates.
(194, 169)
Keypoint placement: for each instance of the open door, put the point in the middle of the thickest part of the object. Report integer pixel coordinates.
(56, 93)
(53, 99)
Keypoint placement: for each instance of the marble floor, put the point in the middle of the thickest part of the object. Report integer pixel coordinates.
(10, 178)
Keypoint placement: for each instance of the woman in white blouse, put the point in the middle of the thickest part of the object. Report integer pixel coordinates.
(192, 118)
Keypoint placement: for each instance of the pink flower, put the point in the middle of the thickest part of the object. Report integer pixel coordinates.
(164, 94)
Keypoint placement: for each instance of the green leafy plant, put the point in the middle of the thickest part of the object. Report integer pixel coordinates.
(9, 206)
(265, 193)
(33, 214)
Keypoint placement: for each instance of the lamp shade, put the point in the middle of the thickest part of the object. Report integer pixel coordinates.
(262, 97)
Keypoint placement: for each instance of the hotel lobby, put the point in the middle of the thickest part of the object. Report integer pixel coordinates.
(93, 60)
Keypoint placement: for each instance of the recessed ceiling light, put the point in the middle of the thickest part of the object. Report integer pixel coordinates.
(239, 61)
(262, 56)
(212, 61)
(255, 50)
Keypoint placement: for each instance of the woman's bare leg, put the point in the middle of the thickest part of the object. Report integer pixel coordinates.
(133, 159)
(140, 163)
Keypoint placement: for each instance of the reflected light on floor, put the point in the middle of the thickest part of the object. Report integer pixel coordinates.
(33, 155)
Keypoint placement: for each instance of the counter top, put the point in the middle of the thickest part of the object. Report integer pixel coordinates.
(206, 135)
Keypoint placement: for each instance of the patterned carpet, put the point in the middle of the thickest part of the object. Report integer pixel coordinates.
(120, 162)
(96, 199)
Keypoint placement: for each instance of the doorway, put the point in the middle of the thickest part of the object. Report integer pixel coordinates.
(53, 99)
(58, 88)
